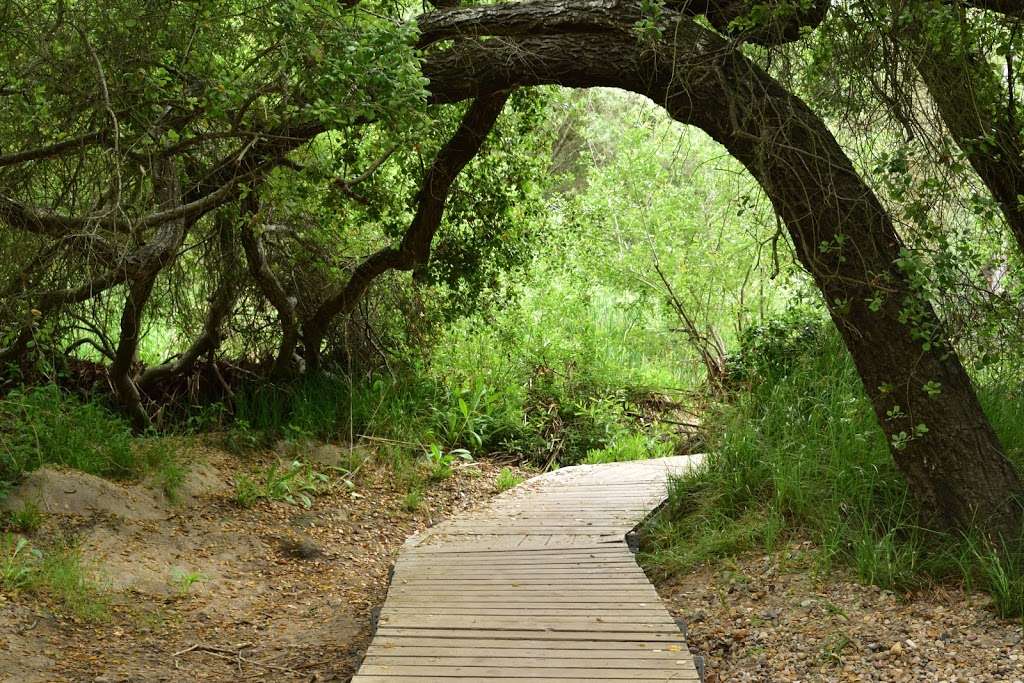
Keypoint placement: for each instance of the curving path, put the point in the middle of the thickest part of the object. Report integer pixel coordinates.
(537, 586)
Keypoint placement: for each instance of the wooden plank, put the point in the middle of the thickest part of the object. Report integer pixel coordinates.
(502, 591)
(543, 660)
(580, 622)
(539, 586)
(481, 644)
(554, 678)
(486, 672)
(565, 650)
(512, 610)
(614, 575)
(666, 635)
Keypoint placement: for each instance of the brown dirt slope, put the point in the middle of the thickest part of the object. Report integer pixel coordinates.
(207, 591)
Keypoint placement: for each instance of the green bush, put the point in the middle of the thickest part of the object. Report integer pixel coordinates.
(772, 348)
(43, 425)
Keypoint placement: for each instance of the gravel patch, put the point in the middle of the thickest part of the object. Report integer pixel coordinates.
(774, 618)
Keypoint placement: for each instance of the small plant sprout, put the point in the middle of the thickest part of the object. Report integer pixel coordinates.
(442, 463)
(184, 579)
(507, 479)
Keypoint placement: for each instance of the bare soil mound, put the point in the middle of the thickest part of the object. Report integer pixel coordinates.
(206, 590)
(69, 492)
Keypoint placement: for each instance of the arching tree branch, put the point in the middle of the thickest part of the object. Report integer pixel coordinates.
(414, 250)
(842, 235)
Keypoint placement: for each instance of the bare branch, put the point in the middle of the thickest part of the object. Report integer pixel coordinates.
(347, 183)
(56, 149)
(271, 288)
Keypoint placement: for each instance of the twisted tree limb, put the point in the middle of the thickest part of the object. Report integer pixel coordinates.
(221, 306)
(167, 191)
(414, 249)
(266, 281)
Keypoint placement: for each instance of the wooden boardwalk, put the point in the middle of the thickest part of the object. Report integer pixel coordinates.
(537, 586)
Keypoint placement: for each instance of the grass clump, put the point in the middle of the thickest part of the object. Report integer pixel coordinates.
(43, 425)
(632, 446)
(507, 479)
(57, 573)
(26, 519)
(441, 463)
(413, 500)
(798, 453)
(295, 483)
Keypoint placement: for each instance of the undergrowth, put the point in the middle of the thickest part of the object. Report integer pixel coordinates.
(798, 453)
(56, 572)
(295, 483)
(539, 415)
(43, 425)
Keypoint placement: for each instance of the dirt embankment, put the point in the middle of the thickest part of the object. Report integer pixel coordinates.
(205, 590)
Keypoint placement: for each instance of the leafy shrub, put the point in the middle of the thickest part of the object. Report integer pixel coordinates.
(772, 349)
(42, 425)
(295, 483)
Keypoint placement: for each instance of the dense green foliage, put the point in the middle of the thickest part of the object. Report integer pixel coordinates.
(604, 284)
(799, 454)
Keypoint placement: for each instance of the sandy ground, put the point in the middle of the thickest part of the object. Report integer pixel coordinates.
(288, 594)
(281, 593)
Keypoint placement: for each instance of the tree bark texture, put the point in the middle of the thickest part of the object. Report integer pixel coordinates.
(975, 107)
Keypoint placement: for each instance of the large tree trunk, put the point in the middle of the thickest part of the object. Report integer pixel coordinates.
(939, 436)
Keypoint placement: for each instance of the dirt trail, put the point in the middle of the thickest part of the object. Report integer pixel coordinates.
(207, 591)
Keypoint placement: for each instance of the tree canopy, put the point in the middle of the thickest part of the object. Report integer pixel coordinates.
(241, 175)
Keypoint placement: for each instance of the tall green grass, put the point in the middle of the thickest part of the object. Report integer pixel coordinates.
(44, 425)
(799, 454)
(550, 379)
